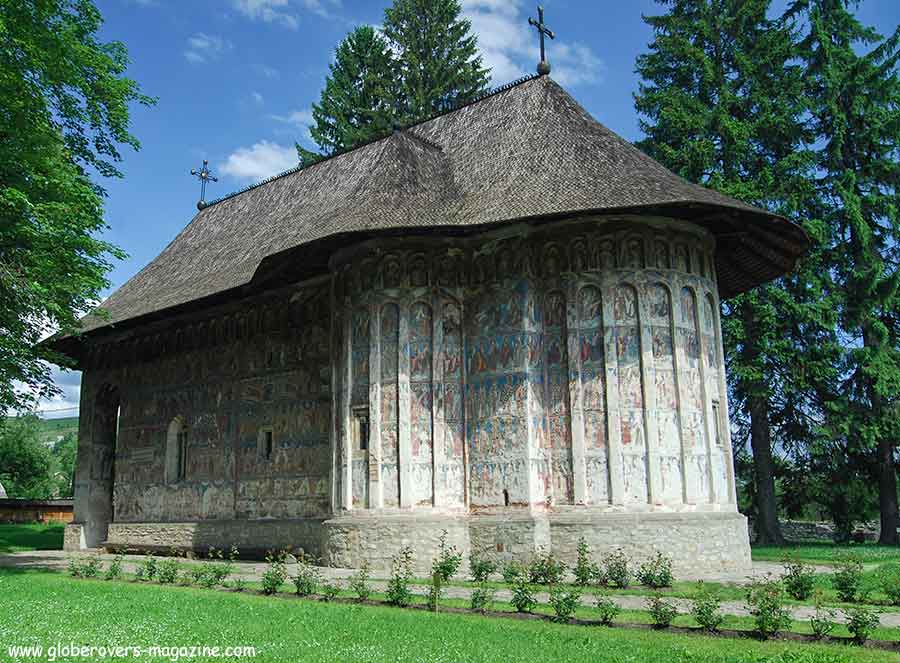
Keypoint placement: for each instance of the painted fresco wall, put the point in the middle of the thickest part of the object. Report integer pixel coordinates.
(541, 369)
(227, 380)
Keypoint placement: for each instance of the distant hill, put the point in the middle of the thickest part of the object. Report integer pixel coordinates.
(54, 429)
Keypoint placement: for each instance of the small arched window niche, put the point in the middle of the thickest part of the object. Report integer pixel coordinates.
(176, 450)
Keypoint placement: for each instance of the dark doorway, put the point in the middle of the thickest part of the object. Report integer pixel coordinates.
(104, 443)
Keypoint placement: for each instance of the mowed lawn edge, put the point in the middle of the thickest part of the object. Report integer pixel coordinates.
(52, 608)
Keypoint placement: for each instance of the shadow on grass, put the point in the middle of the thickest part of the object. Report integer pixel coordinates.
(24, 537)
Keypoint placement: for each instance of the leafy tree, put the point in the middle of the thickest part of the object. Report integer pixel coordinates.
(437, 62)
(854, 91)
(26, 463)
(357, 102)
(64, 109)
(64, 452)
(722, 103)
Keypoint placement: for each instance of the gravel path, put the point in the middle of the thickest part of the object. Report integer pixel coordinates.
(252, 571)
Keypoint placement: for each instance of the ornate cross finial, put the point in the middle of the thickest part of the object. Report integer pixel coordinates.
(204, 175)
(544, 65)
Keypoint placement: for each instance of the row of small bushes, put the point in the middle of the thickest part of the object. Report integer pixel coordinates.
(848, 580)
(614, 570)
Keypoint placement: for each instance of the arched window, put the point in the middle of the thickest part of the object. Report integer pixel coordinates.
(176, 450)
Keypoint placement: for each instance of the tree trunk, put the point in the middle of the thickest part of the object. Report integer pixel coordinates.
(768, 530)
(887, 492)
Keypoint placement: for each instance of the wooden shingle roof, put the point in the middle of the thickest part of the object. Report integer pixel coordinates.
(529, 151)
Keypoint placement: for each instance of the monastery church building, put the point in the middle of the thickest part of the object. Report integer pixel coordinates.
(502, 322)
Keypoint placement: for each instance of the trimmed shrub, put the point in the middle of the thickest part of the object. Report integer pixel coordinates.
(448, 561)
(359, 582)
(481, 568)
(705, 608)
(608, 609)
(85, 567)
(146, 568)
(822, 621)
(586, 569)
(401, 571)
(861, 622)
(522, 595)
(307, 579)
(656, 572)
(889, 581)
(564, 602)
(848, 578)
(765, 600)
(616, 569)
(545, 569)
(330, 589)
(483, 598)
(168, 570)
(275, 574)
(798, 579)
(512, 570)
(114, 571)
(662, 612)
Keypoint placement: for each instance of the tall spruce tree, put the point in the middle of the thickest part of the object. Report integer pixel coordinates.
(722, 104)
(854, 90)
(437, 61)
(357, 102)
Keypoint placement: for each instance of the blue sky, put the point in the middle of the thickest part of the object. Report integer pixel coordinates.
(236, 79)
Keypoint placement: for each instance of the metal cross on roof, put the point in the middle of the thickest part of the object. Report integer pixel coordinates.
(204, 175)
(544, 65)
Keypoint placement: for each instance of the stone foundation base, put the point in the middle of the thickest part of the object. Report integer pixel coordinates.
(73, 537)
(697, 542)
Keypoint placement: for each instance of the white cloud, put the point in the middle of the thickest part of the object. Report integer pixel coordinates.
(257, 98)
(300, 119)
(203, 48)
(283, 12)
(260, 161)
(509, 46)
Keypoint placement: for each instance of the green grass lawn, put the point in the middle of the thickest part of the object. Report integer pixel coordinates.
(16, 538)
(51, 607)
(827, 553)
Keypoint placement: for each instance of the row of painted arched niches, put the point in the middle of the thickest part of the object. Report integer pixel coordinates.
(547, 259)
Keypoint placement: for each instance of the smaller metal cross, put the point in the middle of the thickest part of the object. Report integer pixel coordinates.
(544, 65)
(204, 175)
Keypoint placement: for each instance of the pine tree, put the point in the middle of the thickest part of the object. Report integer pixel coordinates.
(723, 105)
(437, 61)
(356, 104)
(855, 100)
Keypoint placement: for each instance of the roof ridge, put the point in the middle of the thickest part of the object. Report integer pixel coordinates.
(375, 139)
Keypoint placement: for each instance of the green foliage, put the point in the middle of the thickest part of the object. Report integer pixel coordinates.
(822, 622)
(238, 584)
(330, 589)
(607, 608)
(481, 568)
(307, 579)
(545, 569)
(426, 62)
(448, 561)
(167, 571)
(847, 579)
(146, 568)
(523, 599)
(356, 103)
(861, 622)
(617, 569)
(564, 602)
(114, 570)
(398, 592)
(512, 570)
(705, 608)
(88, 566)
(586, 570)
(661, 612)
(889, 581)
(656, 572)
(276, 573)
(798, 579)
(482, 598)
(439, 65)
(64, 110)
(765, 601)
(359, 582)
(27, 466)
